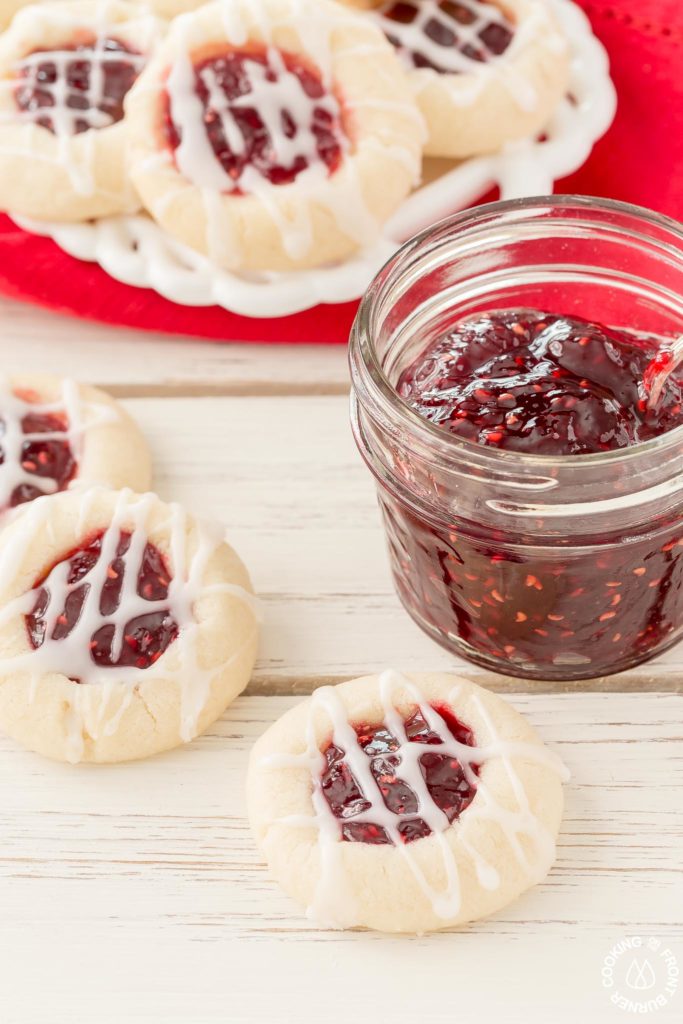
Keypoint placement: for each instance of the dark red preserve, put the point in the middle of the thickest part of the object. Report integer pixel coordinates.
(529, 382)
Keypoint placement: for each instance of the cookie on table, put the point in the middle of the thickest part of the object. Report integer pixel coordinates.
(484, 72)
(65, 69)
(272, 135)
(126, 627)
(57, 433)
(404, 803)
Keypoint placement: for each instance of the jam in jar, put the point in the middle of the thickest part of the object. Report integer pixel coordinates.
(531, 493)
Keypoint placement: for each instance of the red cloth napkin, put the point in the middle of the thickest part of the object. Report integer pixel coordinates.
(640, 160)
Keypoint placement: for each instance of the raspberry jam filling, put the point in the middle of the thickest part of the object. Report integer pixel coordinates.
(477, 30)
(42, 458)
(444, 778)
(528, 382)
(548, 385)
(266, 112)
(78, 87)
(138, 643)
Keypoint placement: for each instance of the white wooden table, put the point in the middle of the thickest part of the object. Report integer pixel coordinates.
(134, 893)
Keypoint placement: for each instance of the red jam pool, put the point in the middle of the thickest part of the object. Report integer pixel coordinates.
(222, 82)
(527, 381)
(479, 31)
(145, 638)
(48, 458)
(444, 778)
(95, 82)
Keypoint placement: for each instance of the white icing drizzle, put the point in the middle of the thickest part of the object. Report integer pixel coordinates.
(30, 25)
(137, 251)
(333, 903)
(14, 469)
(64, 117)
(101, 697)
(413, 38)
(289, 205)
(195, 157)
(471, 75)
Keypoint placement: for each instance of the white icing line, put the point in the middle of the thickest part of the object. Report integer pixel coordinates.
(13, 409)
(274, 92)
(64, 117)
(327, 907)
(71, 656)
(132, 249)
(37, 20)
(413, 38)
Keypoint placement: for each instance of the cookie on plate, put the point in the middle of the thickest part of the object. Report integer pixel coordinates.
(404, 803)
(169, 9)
(65, 68)
(58, 433)
(272, 134)
(126, 627)
(484, 72)
(8, 8)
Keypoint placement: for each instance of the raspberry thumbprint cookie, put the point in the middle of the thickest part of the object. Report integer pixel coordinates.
(484, 73)
(273, 134)
(56, 433)
(65, 69)
(404, 804)
(126, 627)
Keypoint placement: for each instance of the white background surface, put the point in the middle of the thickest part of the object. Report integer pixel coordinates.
(134, 893)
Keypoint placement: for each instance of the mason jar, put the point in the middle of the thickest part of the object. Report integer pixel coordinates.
(553, 567)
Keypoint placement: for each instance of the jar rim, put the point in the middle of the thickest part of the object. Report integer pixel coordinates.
(369, 376)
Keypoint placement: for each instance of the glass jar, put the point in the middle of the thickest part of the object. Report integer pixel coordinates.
(548, 567)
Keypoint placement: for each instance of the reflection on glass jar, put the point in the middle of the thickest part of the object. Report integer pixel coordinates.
(548, 566)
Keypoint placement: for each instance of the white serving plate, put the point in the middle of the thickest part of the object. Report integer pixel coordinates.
(135, 251)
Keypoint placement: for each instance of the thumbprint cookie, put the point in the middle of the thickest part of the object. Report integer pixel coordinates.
(56, 434)
(65, 69)
(404, 803)
(126, 627)
(273, 134)
(484, 72)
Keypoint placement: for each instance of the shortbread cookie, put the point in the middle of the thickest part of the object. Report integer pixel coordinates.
(484, 73)
(126, 627)
(273, 134)
(404, 804)
(169, 9)
(8, 8)
(56, 433)
(64, 71)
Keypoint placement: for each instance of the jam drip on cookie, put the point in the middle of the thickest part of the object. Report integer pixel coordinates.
(78, 87)
(444, 776)
(84, 593)
(266, 114)
(39, 443)
(475, 30)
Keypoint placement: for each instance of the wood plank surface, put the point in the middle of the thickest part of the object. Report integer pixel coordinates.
(134, 892)
(299, 505)
(131, 362)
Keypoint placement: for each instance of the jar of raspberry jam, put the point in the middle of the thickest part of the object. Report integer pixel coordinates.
(531, 488)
